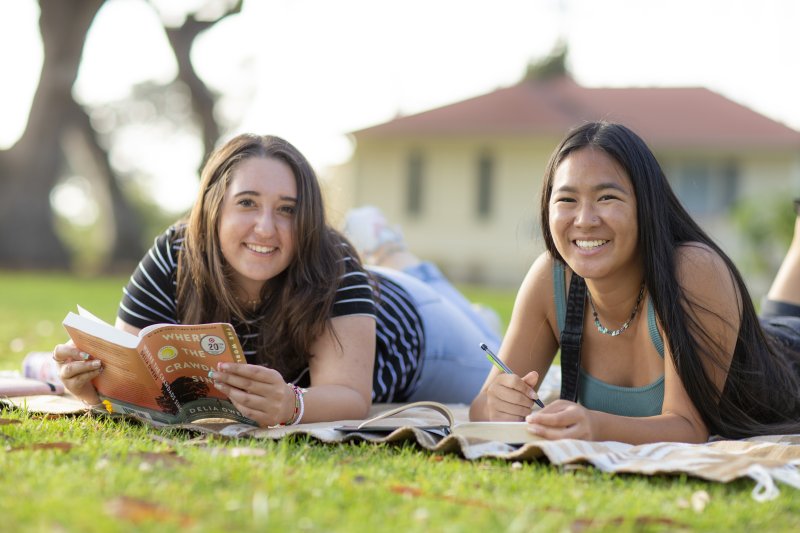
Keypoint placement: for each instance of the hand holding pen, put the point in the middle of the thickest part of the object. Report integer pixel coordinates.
(502, 366)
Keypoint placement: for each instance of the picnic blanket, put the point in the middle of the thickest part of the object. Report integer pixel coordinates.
(766, 460)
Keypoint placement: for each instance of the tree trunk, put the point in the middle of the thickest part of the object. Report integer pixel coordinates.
(126, 233)
(203, 100)
(30, 169)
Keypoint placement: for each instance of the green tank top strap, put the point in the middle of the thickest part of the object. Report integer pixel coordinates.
(560, 297)
(560, 293)
(655, 336)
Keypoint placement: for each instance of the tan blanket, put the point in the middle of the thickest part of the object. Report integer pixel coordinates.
(766, 460)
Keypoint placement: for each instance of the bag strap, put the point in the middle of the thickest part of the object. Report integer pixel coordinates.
(571, 338)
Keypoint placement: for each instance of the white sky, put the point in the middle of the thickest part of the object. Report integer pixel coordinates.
(312, 70)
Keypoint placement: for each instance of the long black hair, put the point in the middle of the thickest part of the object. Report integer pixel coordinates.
(762, 391)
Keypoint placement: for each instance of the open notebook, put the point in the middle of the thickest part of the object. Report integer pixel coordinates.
(437, 419)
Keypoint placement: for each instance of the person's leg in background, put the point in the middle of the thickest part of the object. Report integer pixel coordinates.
(454, 367)
(783, 298)
(381, 244)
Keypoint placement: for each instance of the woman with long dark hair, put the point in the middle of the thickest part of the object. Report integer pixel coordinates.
(319, 331)
(659, 338)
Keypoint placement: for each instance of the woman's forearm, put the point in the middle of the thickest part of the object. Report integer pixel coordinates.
(334, 402)
(477, 409)
(668, 427)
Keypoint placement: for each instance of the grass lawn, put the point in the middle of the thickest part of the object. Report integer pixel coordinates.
(89, 474)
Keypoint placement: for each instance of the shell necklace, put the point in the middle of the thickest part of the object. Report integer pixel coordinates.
(604, 330)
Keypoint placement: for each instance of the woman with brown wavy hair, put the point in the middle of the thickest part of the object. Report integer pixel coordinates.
(317, 328)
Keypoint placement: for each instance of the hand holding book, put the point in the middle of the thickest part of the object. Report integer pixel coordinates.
(161, 374)
(77, 370)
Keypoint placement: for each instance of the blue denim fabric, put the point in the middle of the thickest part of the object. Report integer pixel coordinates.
(776, 308)
(454, 367)
(781, 323)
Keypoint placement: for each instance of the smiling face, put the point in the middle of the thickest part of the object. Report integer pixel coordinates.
(256, 223)
(592, 216)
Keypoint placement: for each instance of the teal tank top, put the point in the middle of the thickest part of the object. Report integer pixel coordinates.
(601, 396)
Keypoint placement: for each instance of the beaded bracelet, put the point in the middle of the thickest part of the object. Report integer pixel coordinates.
(299, 406)
(298, 392)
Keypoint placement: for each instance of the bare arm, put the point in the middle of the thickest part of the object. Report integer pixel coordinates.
(708, 283)
(528, 349)
(341, 378)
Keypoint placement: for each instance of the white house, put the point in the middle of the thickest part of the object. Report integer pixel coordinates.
(463, 180)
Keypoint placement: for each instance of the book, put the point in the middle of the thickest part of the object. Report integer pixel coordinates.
(389, 421)
(162, 373)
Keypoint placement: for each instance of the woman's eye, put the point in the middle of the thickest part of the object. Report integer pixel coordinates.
(287, 209)
(246, 202)
(564, 199)
(608, 197)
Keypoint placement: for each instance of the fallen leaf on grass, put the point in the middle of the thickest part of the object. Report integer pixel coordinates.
(61, 446)
(582, 524)
(406, 490)
(138, 511)
(416, 493)
(7, 421)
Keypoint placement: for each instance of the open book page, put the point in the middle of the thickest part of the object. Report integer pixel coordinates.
(98, 327)
(440, 419)
(125, 377)
(508, 432)
(417, 414)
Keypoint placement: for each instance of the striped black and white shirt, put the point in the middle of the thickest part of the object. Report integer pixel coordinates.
(150, 298)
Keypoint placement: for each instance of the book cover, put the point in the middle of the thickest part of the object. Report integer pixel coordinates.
(161, 374)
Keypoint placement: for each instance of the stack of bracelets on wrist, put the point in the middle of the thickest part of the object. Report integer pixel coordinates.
(299, 406)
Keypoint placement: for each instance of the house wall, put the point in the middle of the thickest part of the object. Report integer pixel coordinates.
(499, 249)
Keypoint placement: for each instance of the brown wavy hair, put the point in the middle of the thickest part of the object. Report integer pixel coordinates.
(296, 304)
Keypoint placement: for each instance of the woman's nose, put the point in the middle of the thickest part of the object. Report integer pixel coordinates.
(265, 225)
(586, 215)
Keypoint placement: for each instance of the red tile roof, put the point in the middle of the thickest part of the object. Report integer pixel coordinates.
(666, 117)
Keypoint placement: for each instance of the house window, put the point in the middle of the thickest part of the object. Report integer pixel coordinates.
(485, 185)
(415, 184)
(706, 187)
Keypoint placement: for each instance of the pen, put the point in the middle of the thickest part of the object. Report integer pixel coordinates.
(502, 366)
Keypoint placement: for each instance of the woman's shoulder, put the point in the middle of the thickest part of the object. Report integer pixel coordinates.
(694, 257)
(699, 269)
(537, 289)
(544, 267)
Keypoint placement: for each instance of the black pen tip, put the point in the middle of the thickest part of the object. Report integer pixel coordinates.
(483, 346)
